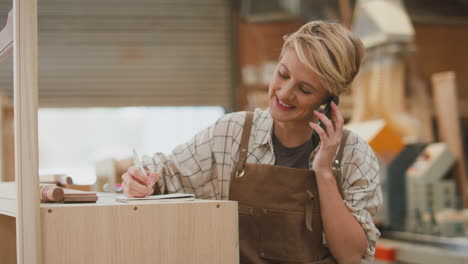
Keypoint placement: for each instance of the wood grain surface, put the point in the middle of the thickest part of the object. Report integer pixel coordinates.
(164, 232)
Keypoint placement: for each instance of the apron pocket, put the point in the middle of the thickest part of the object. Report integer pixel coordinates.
(248, 234)
(248, 229)
(284, 236)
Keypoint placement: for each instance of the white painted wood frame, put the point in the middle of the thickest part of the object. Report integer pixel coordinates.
(6, 38)
(25, 121)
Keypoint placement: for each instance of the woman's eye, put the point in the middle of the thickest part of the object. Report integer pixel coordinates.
(304, 90)
(282, 75)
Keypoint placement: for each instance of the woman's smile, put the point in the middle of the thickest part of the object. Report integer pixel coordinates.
(283, 106)
(295, 91)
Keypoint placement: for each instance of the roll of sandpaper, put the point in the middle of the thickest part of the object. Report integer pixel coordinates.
(58, 179)
(51, 193)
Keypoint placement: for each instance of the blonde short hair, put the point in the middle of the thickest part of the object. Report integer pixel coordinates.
(330, 50)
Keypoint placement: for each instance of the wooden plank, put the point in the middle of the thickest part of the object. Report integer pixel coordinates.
(86, 188)
(448, 123)
(8, 241)
(345, 11)
(7, 138)
(201, 231)
(380, 93)
(25, 120)
(6, 38)
(419, 104)
(360, 96)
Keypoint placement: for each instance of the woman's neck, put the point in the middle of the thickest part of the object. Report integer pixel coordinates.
(292, 134)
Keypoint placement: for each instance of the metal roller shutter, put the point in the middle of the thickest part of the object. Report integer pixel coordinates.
(129, 53)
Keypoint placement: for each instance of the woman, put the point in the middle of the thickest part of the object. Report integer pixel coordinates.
(302, 199)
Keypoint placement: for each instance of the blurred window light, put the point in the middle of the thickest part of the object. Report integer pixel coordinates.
(71, 140)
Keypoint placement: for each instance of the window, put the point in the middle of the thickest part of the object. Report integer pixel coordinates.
(71, 140)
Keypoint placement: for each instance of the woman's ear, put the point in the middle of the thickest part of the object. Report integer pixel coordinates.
(325, 100)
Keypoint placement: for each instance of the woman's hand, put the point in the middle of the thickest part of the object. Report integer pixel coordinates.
(330, 139)
(135, 183)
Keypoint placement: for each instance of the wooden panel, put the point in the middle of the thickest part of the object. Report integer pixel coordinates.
(132, 53)
(258, 44)
(448, 123)
(25, 121)
(8, 241)
(175, 232)
(443, 48)
(202, 231)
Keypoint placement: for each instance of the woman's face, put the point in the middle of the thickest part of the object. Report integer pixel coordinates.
(295, 90)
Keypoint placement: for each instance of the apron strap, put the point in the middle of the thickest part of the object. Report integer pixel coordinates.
(243, 147)
(336, 163)
(309, 203)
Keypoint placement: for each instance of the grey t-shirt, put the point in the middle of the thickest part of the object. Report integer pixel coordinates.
(297, 157)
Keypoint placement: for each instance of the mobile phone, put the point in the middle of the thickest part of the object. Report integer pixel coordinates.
(327, 113)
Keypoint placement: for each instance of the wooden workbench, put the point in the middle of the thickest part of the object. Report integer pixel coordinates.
(200, 231)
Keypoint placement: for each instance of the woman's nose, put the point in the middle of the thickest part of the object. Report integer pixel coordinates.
(286, 91)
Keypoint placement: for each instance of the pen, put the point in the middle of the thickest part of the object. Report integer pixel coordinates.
(139, 164)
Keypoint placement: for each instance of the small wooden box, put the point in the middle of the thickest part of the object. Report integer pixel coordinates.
(200, 231)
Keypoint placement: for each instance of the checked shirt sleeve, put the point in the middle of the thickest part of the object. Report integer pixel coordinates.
(201, 165)
(361, 187)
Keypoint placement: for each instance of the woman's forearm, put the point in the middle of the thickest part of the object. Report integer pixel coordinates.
(345, 236)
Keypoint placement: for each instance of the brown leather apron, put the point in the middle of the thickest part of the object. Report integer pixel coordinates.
(279, 210)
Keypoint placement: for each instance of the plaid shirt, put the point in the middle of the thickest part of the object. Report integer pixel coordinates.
(203, 166)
